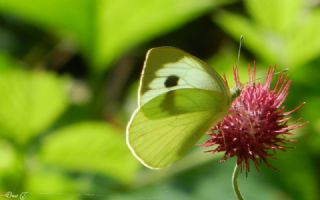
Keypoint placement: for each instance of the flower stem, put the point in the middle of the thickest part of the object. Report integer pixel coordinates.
(235, 183)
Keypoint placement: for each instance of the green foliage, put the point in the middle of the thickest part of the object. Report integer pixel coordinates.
(30, 102)
(9, 168)
(277, 31)
(105, 28)
(6, 62)
(91, 147)
(63, 140)
(47, 184)
(212, 181)
(294, 173)
(68, 18)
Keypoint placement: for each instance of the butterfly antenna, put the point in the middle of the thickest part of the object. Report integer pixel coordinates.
(239, 50)
(285, 70)
(236, 90)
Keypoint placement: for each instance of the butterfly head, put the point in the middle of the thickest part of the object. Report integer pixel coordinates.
(235, 92)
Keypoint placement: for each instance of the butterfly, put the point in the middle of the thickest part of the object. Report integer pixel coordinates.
(180, 97)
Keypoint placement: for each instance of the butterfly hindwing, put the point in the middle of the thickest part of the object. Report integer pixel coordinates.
(160, 135)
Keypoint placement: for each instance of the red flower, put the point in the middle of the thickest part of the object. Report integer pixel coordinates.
(257, 123)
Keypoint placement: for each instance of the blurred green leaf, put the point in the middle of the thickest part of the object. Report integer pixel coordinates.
(30, 102)
(217, 185)
(45, 184)
(124, 23)
(312, 129)
(157, 192)
(6, 62)
(227, 56)
(297, 173)
(277, 30)
(237, 25)
(91, 147)
(105, 28)
(71, 18)
(307, 38)
(210, 181)
(273, 9)
(224, 60)
(306, 88)
(10, 170)
(194, 159)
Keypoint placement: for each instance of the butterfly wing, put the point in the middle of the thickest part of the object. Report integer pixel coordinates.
(179, 99)
(169, 68)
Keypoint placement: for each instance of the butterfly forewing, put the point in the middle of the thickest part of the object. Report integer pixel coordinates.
(168, 68)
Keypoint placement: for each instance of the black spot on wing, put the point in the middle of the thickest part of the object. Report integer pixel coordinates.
(171, 81)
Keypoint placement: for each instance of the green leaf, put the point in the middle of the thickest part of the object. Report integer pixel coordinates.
(306, 38)
(217, 181)
(68, 17)
(272, 10)
(226, 57)
(10, 167)
(296, 169)
(276, 31)
(48, 184)
(104, 29)
(237, 25)
(210, 181)
(91, 147)
(30, 102)
(193, 160)
(6, 62)
(124, 23)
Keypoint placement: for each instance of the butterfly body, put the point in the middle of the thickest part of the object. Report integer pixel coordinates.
(179, 99)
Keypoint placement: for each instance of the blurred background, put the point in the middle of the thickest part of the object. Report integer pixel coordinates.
(69, 74)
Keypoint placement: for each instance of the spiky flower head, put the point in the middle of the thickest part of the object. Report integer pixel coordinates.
(257, 124)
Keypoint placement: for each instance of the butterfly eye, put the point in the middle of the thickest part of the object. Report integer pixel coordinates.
(171, 81)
